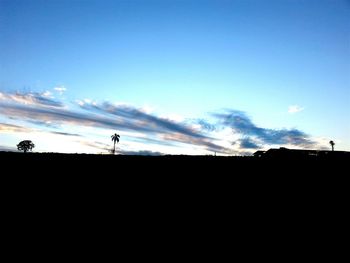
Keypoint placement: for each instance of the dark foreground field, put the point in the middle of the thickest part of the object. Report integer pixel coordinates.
(114, 174)
(50, 163)
(174, 192)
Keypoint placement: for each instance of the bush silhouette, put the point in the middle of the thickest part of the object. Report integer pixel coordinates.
(25, 146)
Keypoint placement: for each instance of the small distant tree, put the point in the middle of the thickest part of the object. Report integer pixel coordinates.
(25, 146)
(332, 144)
(115, 138)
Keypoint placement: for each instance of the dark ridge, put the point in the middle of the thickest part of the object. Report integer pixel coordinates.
(143, 185)
(282, 161)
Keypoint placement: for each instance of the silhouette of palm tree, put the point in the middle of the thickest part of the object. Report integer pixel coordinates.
(115, 138)
(25, 146)
(332, 144)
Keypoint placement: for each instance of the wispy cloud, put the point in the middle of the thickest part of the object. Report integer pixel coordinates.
(154, 130)
(168, 129)
(47, 94)
(10, 128)
(148, 121)
(32, 98)
(205, 125)
(148, 140)
(248, 143)
(105, 148)
(142, 153)
(295, 109)
(46, 123)
(65, 134)
(242, 124)
(60, 89)
(116, 117)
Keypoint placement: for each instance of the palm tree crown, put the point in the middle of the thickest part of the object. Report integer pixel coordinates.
(115, 138)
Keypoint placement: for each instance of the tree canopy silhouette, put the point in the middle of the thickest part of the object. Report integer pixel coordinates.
(332, 144)
(115, 138)
(25, 146)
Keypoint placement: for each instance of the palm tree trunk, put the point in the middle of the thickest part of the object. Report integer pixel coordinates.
(114, 148)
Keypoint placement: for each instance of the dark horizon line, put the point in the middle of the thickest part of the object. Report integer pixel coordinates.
(281, 149)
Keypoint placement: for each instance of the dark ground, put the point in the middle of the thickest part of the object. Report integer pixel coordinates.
(108, 174)
(174, 197)
(171, 165)
(168, 179)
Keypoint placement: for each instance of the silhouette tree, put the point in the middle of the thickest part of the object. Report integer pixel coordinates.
(332, 144)
(25, 146)
(115, 138)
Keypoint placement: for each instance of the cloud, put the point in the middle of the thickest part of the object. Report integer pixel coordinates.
(60, 89)
(10, 128)
(149, 121)
(242, 124)
(206, 142)
(47, 123)
(198, 134)
(97, 145)
(61, 116)
(169, 129)
(47, 94)
(115, 117)
(142, 153)
(32, 98)
(205, 125)
(8, 148)
(294, 109)
(248, 143)
(148, 140)
(66, 134)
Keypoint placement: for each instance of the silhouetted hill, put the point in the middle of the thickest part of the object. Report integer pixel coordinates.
(67, 174)
(274, 161)
(141, 190)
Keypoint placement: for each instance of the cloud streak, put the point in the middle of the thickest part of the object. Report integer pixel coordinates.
(205, 125)
(47, 113)
(31, 99)
(116, 117)
(60, 89)
(148, 121)
(66, 134)
(10, 128)
(141, 153)
(248, 143)
(242, 124)
(294, 109)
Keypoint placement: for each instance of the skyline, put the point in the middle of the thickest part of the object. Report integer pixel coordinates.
(175, 77)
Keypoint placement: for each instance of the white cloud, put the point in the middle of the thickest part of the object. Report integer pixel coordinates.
(295, 109)
(80, 102)
(148, 109)
(47, 94)
(86, 102)
(36, 99)
(60, 89)
(173, 117)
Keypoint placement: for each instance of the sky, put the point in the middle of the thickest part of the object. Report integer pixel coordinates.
(225, 77)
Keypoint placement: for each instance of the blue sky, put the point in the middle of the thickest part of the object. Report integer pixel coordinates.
(174, 76)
